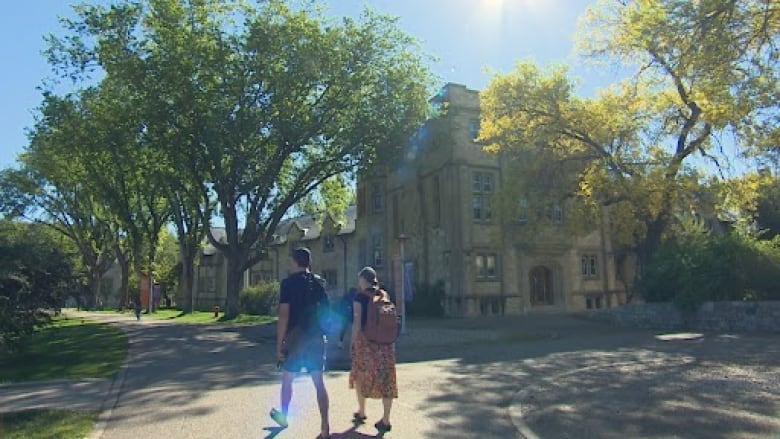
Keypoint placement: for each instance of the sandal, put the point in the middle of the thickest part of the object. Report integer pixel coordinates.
(356, 417)
(279, 417)
(382, 427)
(319, 436)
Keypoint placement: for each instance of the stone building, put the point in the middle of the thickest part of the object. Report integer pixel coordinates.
(333, 255)
(438, 201)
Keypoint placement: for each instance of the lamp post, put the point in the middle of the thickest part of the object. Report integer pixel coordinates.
(401, 241)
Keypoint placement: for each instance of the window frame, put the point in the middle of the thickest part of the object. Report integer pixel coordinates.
(377, 256)
(474, 128)
(377, 198)
(483, 187)
(589, 266)
(482, 267)
(328, 243)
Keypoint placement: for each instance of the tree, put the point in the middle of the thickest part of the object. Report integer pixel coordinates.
(89, 152)
(332, 198)
(48, 189)
(35, 276)
(768, 209)
(704, 70)
(257, 112)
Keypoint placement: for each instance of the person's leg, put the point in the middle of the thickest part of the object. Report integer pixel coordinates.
(287, 380)
(322, 401)
(361, 399)
(286, 395)
(387, 404)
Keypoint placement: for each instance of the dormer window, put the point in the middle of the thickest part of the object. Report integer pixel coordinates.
(329, 244)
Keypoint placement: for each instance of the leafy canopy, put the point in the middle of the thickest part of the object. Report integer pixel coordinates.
(704, 70)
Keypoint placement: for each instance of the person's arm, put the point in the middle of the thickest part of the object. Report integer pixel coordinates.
(283, 320)
(281, 329)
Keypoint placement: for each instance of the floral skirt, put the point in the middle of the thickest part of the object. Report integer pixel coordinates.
(373, 369)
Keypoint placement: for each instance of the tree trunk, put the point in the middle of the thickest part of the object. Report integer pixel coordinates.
(186, 280)
(234, 278)
(124, 267)
(94, 286)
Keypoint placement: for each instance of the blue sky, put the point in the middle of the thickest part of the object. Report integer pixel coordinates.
(466, 36)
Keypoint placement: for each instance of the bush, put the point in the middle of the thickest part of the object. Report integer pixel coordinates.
(35, 274)
(260, 299)
(704, 267)
(428, 300)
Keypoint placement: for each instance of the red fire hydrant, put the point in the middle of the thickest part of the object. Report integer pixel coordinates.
(216, 311)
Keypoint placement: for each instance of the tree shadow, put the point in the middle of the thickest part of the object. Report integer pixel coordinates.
(589, 383)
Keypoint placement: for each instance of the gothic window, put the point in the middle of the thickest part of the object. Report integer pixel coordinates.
(486, 266)
(378, 260)
(329, 244)
(482, 188)
(377, 198)
(589, 266)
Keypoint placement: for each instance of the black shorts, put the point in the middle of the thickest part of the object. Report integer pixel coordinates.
(309, 355)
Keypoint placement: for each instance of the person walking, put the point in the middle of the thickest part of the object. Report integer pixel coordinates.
(138, 309)
(300, 339)
(373, 364)
(346, 310)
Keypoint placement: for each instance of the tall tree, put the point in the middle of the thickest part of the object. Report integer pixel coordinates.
(50, 188)
(704, 70)
(259, 105)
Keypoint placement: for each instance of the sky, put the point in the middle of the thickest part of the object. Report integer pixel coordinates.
(469, 39)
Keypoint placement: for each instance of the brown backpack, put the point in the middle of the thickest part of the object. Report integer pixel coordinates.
(383, 324)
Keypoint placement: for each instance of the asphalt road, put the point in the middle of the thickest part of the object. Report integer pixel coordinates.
(547, 376)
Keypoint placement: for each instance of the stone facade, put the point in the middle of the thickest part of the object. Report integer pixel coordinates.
(438, 198)
(711, 316)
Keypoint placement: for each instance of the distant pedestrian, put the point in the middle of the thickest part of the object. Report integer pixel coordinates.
(373, 364)
(300, 339)
(138, 310)
(346, 310)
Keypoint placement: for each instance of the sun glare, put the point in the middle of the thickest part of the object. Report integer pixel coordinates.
(533, 6)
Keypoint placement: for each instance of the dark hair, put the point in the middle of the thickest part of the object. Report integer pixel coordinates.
(302, 257)
(369, 275)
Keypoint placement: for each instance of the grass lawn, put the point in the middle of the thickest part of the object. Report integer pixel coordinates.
(47, 424)
(202, 317)
(68, 349)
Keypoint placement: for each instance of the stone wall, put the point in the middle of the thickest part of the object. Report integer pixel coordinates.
(712, 316)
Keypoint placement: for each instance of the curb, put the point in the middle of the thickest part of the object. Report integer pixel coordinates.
(115, 391)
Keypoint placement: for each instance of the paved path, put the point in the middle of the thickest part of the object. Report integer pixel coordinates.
(77, 395)
(538, 376)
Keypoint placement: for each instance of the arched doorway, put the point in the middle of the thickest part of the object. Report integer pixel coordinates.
(542, 293)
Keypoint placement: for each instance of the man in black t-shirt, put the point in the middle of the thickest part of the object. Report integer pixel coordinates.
(300, 340)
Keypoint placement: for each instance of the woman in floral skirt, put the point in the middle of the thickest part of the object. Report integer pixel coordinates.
(373, 365)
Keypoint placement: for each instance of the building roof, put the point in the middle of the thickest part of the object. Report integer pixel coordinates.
(309, 224)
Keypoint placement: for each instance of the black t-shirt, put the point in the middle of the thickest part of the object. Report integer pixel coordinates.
(307, 299)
